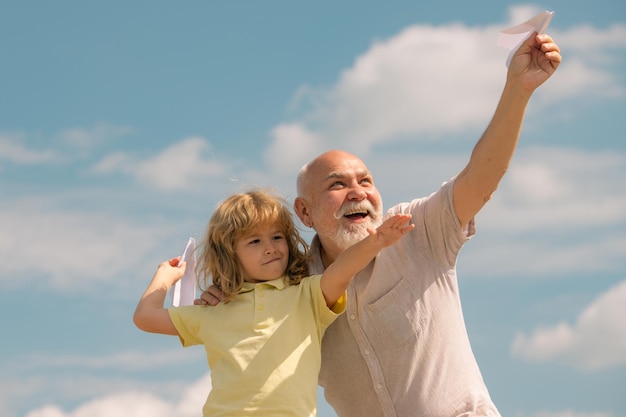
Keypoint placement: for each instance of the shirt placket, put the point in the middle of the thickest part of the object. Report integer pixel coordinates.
(261, 309)
(369, 355)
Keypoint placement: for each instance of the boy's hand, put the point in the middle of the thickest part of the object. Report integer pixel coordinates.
(168, 272)
(392, 229)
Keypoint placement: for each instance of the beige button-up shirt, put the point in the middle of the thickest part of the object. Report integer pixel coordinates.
(401, 348)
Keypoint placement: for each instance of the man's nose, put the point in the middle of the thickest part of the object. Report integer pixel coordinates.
(357, 193)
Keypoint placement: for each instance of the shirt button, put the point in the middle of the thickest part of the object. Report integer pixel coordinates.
(352, 317)
(261, 307)
(366, 351)
(379, 386)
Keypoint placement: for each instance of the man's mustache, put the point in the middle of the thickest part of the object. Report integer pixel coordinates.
(357, 207)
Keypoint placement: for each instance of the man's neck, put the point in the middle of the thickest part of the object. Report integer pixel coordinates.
(328, 256)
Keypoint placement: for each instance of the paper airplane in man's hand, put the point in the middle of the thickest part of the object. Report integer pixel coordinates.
(184, 291)
(513, 37)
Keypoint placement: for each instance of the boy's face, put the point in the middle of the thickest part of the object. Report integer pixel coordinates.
(263, 254)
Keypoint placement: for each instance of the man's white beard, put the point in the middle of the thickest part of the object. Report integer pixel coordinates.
(349, 235)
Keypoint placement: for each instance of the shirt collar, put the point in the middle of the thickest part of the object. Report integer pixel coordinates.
(316, 266)
(278, 283)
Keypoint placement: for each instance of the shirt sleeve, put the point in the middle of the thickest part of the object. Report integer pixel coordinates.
(438, 230)
(325, 315)
(187, 322)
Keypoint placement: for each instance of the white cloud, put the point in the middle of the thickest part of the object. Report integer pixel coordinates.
(596, 341)
(557, 211)
(88, 137)
(136, 404)
(547, 191)
(13, 148)
(291, 148)
(554, 188)
(129, 404)
(402, 175)
(589, 58)
(410, 84)
(541, 256)
(127, 361)
(65, 145)
(177, 167)
(594, 42)
(435, 80)
(577, 78)
(404, 85)
(520, 13)
(72, 248)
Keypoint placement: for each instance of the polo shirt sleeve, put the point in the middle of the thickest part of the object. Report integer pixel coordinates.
(187, 320)
(325, 315)
(340, 305)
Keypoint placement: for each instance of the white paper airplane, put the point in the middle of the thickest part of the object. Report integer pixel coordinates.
(513, 37)
(184, 291)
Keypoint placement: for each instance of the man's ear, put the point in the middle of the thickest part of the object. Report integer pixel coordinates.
(300, 206)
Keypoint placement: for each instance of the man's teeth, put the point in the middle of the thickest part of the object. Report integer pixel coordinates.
(358, 213)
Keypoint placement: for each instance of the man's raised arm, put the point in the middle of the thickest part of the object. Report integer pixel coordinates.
(533, 63)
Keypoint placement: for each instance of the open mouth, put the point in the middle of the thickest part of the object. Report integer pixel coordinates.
(357, 215)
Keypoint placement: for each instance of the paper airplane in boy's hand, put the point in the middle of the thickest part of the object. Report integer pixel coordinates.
(184, 291)
(513, 37)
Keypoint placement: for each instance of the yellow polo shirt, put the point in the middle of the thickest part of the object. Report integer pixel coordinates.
(263, 348)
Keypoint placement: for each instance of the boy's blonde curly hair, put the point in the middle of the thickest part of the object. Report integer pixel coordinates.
(234, 218)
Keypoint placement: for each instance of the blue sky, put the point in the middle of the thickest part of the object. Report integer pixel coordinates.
(122, 124)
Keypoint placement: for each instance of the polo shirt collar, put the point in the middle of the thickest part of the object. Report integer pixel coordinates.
(278, 283)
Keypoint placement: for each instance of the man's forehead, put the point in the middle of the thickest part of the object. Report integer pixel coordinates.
(347, 173)
(342, 167)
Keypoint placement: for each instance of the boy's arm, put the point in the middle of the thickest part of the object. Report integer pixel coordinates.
(338, 275)
(150, 315)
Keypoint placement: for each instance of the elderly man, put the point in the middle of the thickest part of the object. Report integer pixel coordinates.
(401, 348)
